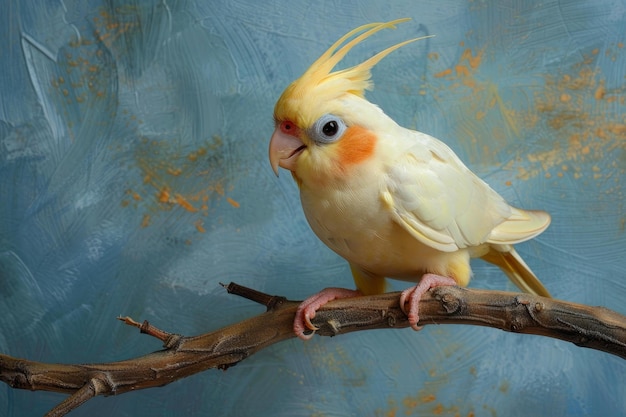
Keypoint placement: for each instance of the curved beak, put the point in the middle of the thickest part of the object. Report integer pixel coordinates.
(284, 150)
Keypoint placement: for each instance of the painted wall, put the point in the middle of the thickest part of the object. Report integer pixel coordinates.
(134, 178)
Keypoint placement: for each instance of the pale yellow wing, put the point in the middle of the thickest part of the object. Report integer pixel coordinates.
(436, 198)
(520, 226)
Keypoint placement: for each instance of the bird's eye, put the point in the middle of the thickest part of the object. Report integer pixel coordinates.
(327, 129)
(330, 128)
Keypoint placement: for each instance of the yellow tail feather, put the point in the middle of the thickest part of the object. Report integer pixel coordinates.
(516, 269)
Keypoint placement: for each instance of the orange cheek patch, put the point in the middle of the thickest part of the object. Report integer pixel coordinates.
(356, 145)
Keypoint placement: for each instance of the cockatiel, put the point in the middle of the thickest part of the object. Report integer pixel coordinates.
(393, 202)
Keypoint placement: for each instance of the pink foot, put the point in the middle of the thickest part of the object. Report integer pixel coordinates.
(306, 310)
(414, 294)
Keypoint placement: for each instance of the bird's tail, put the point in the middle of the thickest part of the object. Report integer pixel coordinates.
(516, 269)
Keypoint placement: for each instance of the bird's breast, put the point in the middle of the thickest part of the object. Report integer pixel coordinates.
(355, 223)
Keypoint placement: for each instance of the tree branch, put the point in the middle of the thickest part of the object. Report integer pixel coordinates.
(182, 356)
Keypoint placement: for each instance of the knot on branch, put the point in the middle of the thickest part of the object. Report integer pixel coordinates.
(451, 299)
(528, 314)
(17, 373)
(590, 327)
(395, 317)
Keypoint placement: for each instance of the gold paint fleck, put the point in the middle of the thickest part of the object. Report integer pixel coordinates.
(443, 73)
(232, 202)
(182, 201)
(145, 222)
(164, 195)
(200, 226)
(504, 387)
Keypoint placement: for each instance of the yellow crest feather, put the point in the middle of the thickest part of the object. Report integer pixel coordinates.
(319, 85)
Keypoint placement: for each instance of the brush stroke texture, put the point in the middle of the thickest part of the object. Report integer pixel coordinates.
(134, 177)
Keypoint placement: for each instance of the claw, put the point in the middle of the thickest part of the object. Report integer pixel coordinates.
(403, 297)
(306, 310)
(308, 315)
(303, 323)
(306, 336)
(414, 294)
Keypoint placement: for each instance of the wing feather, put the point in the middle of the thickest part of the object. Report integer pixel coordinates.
(520, 226)
(437, 199)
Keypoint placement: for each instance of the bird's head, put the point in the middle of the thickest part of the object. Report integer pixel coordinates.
(323, 124)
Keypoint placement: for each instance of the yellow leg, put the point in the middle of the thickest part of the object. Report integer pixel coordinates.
(368, 284)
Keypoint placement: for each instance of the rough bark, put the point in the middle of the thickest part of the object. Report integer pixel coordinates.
(591, 327)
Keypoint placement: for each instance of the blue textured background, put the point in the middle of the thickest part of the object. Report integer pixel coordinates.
(134, 178)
